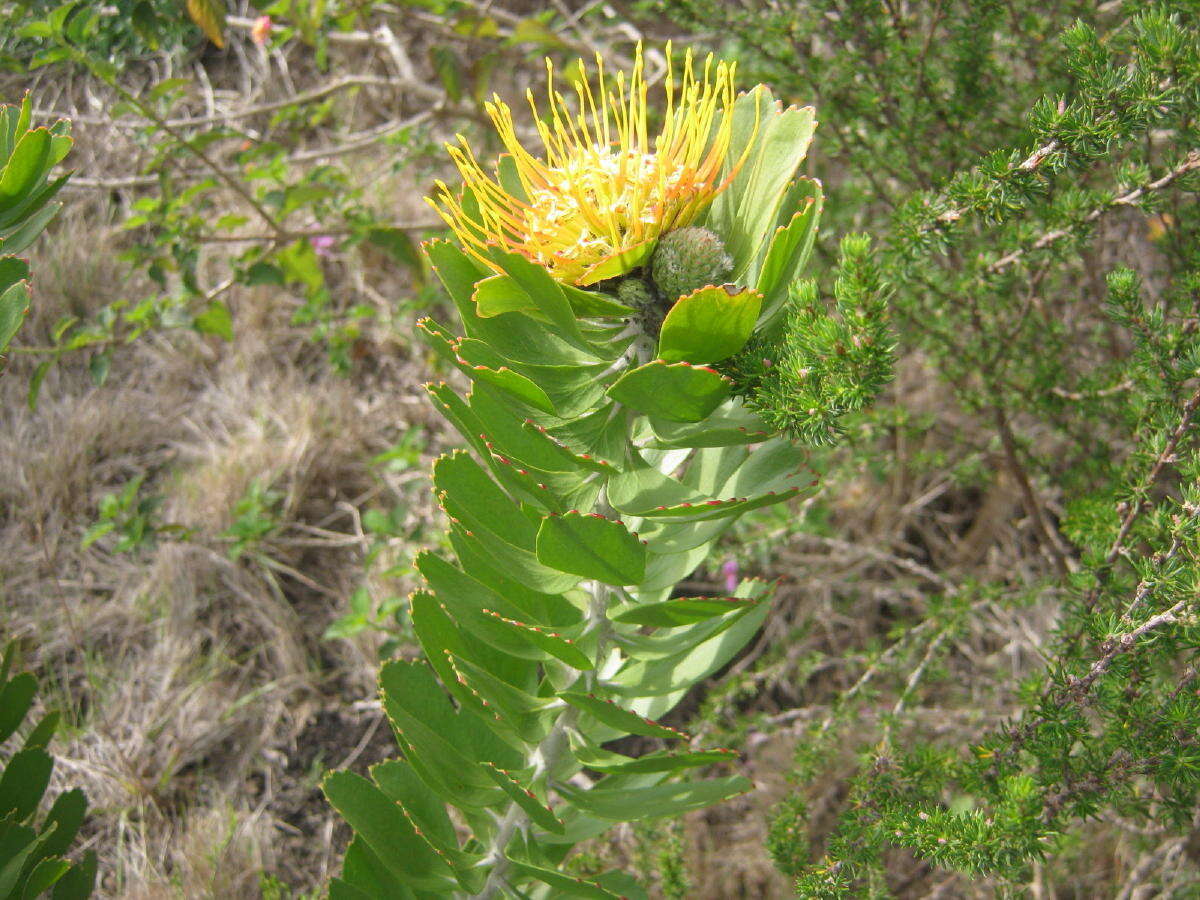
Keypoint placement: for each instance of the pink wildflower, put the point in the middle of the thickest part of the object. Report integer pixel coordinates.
(730, 570)
(261, 30)
(323, 244)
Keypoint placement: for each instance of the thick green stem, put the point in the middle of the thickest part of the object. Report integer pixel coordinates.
(549, 750)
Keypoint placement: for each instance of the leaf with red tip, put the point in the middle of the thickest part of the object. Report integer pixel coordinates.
(677, 392)
(709, 324)
(601, 760)
(591, 546)
(549, 642)
(684, 611)
(538, 813)
(617, 717)
(672, 799)
(564, 885)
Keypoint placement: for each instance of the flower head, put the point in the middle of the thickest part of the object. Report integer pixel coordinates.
(261, 30)
(595, 203)
(323, 244)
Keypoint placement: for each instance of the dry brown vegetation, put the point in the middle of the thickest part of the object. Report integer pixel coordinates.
(203, 702)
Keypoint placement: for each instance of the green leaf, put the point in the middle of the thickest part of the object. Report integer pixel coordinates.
(457, 271)
(442, 640)
(535, 31)
(399, 245)
(447, 743)
(745, 212)
(98, 366)
(385, 828)
(15, 701)
(366, 877)
(621, 263)
(513, 335)
(667, 676)
(528, 716)
(538, 813)
(35, 382)
(426, 812)
(677, 392)
(29, 206)
(20, 239)
(475, 499)
(40, 734)
(508, 432)
(657, 801)
(550, 643)
(345, 627)
(24, 782)
(215, 319)
(264, 273)
(614, 716)
(474, 606)
(500, 294)
(547, 295)
(458, 414)
(614, 763)
(637, 491)
(12, 270)
(720, 509)
(449, 69)
(19, 845)
(460, 592)
(521, 565)
(682, 611)
(589, 304)
(478, 362)
(401, 783)
(553, 609)
(44, 876)
(666, 570)
(563, 885)
(669, 643)
(591, 546)
(77, 884)
(25, 168)
(790, 247)
(66, 815)
(709, 324)
(14, 304)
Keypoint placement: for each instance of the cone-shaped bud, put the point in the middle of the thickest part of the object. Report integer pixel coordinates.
(687, 259)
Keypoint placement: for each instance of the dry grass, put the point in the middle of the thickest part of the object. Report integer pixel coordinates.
(203, 701)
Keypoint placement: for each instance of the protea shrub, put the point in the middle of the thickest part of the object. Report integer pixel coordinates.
(613, 430)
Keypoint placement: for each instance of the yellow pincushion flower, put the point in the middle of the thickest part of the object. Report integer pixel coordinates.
(594, 205)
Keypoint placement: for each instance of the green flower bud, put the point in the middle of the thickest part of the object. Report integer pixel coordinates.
(635, 292)
(687, 259)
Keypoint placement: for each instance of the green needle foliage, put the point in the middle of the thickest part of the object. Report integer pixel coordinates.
(603, 456)
(984, 145)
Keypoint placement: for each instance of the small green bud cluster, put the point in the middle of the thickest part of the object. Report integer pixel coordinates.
(687, 259)
(636, 292)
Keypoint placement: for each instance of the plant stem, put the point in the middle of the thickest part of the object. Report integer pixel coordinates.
(185, 142)
(546, 754)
